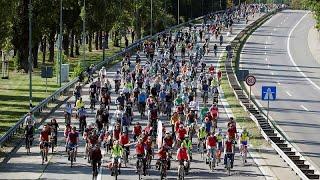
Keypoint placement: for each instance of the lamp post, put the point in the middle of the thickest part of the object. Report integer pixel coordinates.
(151, 24)
(104, 35)
(84, 33)
(60, 45)
(30, 53)
(178, 11)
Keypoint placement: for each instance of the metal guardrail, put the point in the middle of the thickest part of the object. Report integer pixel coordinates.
(43, 104)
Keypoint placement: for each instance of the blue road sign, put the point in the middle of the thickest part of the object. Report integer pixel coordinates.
(269, 93)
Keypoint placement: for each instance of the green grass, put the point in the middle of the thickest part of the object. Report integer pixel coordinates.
(242, 117)
(14, 92)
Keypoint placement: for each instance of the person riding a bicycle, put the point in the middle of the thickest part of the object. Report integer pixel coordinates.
(202, 134)
(228, 151)
(45, 139)
(211, 144)
(124, 142)
(244, 137)
(188, 144)
(29, 132)
(220, 137)
(116, 152)
(72, 141)
(183, 155)
(162, 154)
(96, 157)
(140, 152)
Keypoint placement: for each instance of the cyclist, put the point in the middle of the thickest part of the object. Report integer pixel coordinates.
(142, 97)
(228, 151)
(30, 118)
(188, 144)
(54, 130)
(140, 152)
(28, 132)
(116, 151)
(168, 141)
(96, 157)
(183, 155)
(68, 113)
(162, 154)
(124, 141)
(82, 115)
(244, 137)
(72, 141)
(77, 92)
(79, 103)
(137, 130)
(215, 49)
(219, 136)
(211, 144)
(181, 133)
(202, 134)
(45, 139)
(117, 81)
(221, 40)
(174, 120)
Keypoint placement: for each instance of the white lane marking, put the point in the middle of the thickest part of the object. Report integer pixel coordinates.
(272, 73)
(268, 65)
(266, 59)
(265, 53)
(278, 83)
(304, 108)
(288, 93)
(265, 47)
(291, 58)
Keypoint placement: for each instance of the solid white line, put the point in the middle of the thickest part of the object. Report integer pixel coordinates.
(304, 108)
(291, 58)
(288, 93)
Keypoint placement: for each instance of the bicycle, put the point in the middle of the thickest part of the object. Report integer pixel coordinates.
(181, 170)
(140, 167)
(95, 169)
(201, 149)
(29, 139)
(53, 140)
(125, 157)
(228, 165)
(212, 162)
(44, 151)
(72, 155)
(115, 171)
(163, 169)
(244, 152)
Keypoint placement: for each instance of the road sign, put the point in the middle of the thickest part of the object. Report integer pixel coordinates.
(250, 80)
(269, 93)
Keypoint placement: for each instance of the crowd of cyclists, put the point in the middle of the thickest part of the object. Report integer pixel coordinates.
(174, 85)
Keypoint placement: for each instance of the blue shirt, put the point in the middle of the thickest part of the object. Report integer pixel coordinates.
(142, 97)
(208, 126)
(205, 87)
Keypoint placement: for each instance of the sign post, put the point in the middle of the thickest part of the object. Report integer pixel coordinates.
(269, 93)
(250, 81)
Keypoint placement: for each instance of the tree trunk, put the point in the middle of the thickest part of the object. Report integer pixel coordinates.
(100, 40)
(44, 49)
(65, 43)
(77, 45)
(72, 44)
(35, 51)
(96, 40)
(21, 36)
(107, 39)
(51, 45)
(90, 42)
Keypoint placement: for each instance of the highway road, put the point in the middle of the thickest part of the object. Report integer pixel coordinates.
(278, 54)
(22, 166)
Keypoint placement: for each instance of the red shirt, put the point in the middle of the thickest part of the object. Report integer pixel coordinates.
(211, 69)
(124, 139)
(182, 154)
(137, 130)
(73, 137)
(232, 132)
(139, 148)
(44, 136)
(116, 134)
(214, 113)
(181, 133)
(180, 109)
(176, 125)
(96, 154)
(168, 141)
(212, 141)
(162, 154)
(147, 130)
(228, 145)
(219, 74)
(93, 139)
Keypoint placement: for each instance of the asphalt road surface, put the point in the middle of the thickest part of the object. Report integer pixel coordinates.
(23, 166)
(290, 66)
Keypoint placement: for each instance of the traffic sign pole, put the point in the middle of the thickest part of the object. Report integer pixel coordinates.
(250, 98)
(268, 107)
(251, 81)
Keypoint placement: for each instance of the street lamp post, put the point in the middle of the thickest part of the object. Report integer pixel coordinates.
(178, 11)
(60, 45)
(84, 32)
(30, 53)
(151, 19)
(104, 35)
